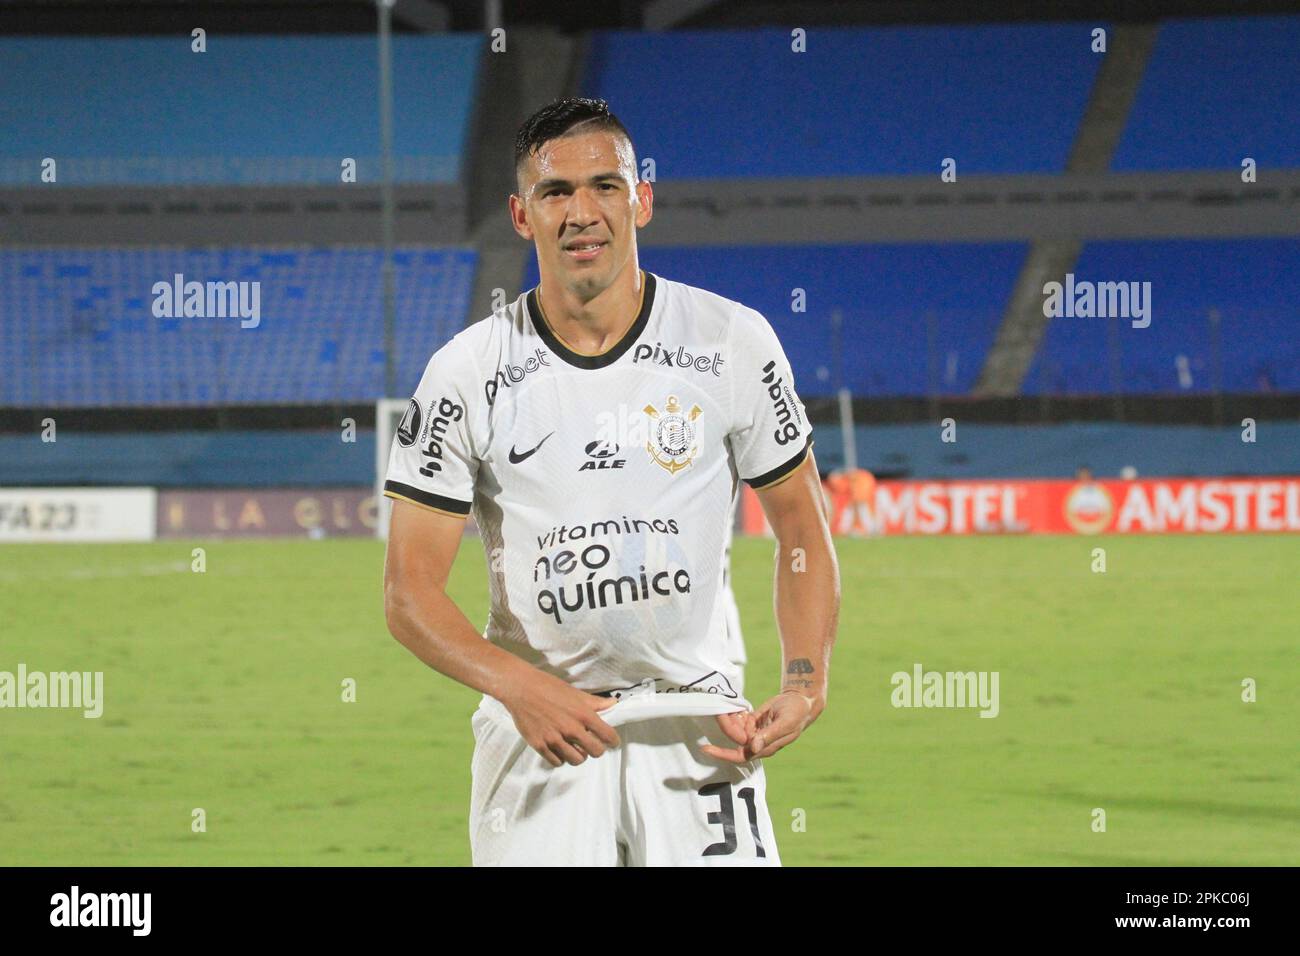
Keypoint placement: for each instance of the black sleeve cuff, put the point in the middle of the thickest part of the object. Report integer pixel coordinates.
(782, 470)
(396, 489)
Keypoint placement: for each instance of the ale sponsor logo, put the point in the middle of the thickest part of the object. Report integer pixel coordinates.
(602, 456)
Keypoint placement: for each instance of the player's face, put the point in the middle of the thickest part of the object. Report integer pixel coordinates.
(581, 205)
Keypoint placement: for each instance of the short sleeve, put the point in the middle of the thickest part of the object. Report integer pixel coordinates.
(433, 461)
(770, 432)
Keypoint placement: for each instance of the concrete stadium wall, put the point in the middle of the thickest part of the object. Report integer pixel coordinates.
(320, 459)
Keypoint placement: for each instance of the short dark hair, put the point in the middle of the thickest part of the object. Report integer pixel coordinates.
(562, 117)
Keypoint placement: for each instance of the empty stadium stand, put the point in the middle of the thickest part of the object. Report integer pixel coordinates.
(1214, 92)
(146, 111)
(1251, 285)
(803, 114)
(80, 328)
(806, 175)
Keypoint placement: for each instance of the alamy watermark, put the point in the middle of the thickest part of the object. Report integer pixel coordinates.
(1101, 300)
(208, 300)
(75, 908)
(922, 688)
(76, 690)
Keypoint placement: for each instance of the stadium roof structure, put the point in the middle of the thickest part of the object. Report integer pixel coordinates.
(69, 17)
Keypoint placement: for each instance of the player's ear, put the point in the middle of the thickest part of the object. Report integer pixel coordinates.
(645, 198)
(519, 216)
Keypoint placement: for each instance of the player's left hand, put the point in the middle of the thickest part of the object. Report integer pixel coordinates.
(760, 734)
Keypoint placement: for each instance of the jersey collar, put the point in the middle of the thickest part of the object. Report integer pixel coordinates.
(614, 352)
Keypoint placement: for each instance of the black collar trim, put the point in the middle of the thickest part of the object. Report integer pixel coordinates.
(610, 355)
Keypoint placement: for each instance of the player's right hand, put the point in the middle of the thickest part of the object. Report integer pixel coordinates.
(560, 722)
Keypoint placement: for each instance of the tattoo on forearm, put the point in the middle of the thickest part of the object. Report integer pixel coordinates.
(800, 666)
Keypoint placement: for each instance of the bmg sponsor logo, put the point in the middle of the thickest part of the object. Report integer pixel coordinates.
(680, 358)
(784, 403)
(442, 413)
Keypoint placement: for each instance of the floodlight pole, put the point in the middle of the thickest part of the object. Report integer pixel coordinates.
(847, 435)
(385, 8)
(1216, 365)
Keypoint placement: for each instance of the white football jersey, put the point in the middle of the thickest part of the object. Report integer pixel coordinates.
(603, 485)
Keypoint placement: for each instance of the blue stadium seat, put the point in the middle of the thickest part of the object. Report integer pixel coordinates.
(1215, 92)
(84, 333)
(252, 110)
(1252, 284)
(998, 99)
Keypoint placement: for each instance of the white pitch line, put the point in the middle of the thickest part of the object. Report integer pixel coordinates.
(90, 574)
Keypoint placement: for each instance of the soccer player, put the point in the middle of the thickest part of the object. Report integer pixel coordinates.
(598, 427)
(858, 488)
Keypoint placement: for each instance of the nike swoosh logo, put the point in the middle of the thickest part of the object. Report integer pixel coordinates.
(516, 458)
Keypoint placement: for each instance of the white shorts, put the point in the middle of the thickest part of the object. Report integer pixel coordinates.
(655, 800)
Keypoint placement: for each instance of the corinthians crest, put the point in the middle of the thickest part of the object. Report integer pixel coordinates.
(672, 442)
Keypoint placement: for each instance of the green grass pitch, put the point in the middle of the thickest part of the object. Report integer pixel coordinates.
(1119, 690)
